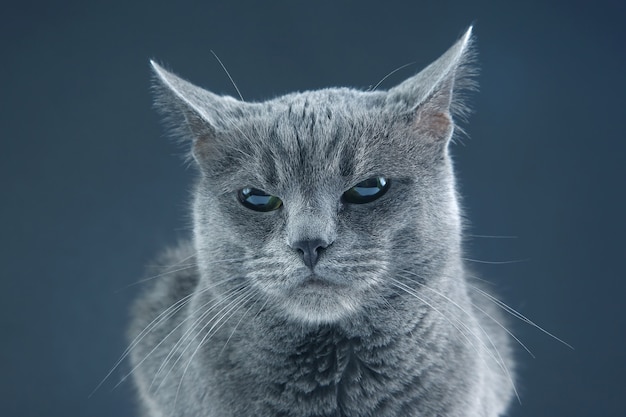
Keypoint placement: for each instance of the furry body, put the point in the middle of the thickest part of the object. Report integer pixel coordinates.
(384, 324)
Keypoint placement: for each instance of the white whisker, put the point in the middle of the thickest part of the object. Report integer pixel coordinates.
(153, 277)
(476, 307)
(413, 293)
(499, 360)
(228, 73)
(479, 261)
(181, 304)
(518, 315)
(236, 327)
(184, 268)
(389, 75)
(492, 236)
(189, 331)
(166, 314)
(180, 261)
(238, 303)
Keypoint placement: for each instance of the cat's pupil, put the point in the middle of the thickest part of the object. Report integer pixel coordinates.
(367, 191)
(258, 200)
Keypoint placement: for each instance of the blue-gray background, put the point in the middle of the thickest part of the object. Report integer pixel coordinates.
(91, 189)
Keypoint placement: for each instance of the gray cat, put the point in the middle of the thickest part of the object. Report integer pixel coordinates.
(325, 275)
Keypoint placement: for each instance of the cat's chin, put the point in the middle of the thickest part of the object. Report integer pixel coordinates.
(317, 314)
(318, 301)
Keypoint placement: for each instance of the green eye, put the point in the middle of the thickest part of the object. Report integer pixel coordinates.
(258, 200)
(367, 191)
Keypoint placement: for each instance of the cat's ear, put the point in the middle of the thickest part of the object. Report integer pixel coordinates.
(432, 99)
(192, 112)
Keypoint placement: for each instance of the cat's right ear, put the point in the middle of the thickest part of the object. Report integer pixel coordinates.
(192, 112)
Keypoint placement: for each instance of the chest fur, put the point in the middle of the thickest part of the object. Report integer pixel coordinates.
(328, 374)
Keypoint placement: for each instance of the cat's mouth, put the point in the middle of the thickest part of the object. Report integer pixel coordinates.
(315, 281)
(322, 282)
(319, 298)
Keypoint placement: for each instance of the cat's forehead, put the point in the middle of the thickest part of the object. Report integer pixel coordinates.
(316, 136)
(336, 99)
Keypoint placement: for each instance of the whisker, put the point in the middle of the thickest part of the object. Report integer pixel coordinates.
(227, 73)
(476, 307)
(413, 293)
(493, 236)
(180, 261)
(236, 326)
(187, 334)
(504, 328)
(389, 75)
(164, 315)
(388, 304)
(214, 305)
(499, 360)
(479, 261)
(153, 277)
(189, 266)
(239, 302)
(261, 309)
(518, 315)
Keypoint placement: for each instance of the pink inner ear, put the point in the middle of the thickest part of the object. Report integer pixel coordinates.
(433, 125)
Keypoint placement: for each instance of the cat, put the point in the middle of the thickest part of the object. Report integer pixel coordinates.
(325, 274)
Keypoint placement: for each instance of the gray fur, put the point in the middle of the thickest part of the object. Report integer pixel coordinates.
(236, 327)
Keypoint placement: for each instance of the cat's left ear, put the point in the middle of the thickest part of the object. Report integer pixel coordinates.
(432, 98)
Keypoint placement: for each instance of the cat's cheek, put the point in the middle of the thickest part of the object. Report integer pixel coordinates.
(258, 228)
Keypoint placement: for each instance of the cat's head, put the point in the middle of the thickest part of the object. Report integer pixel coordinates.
(314, 199)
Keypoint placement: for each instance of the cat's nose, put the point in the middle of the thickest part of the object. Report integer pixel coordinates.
(310, 249)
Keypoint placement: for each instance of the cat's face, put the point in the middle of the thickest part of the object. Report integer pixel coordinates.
(314, 199)
(308, 152)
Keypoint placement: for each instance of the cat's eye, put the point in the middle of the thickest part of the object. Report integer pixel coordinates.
(367, 191)
(258, 200)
